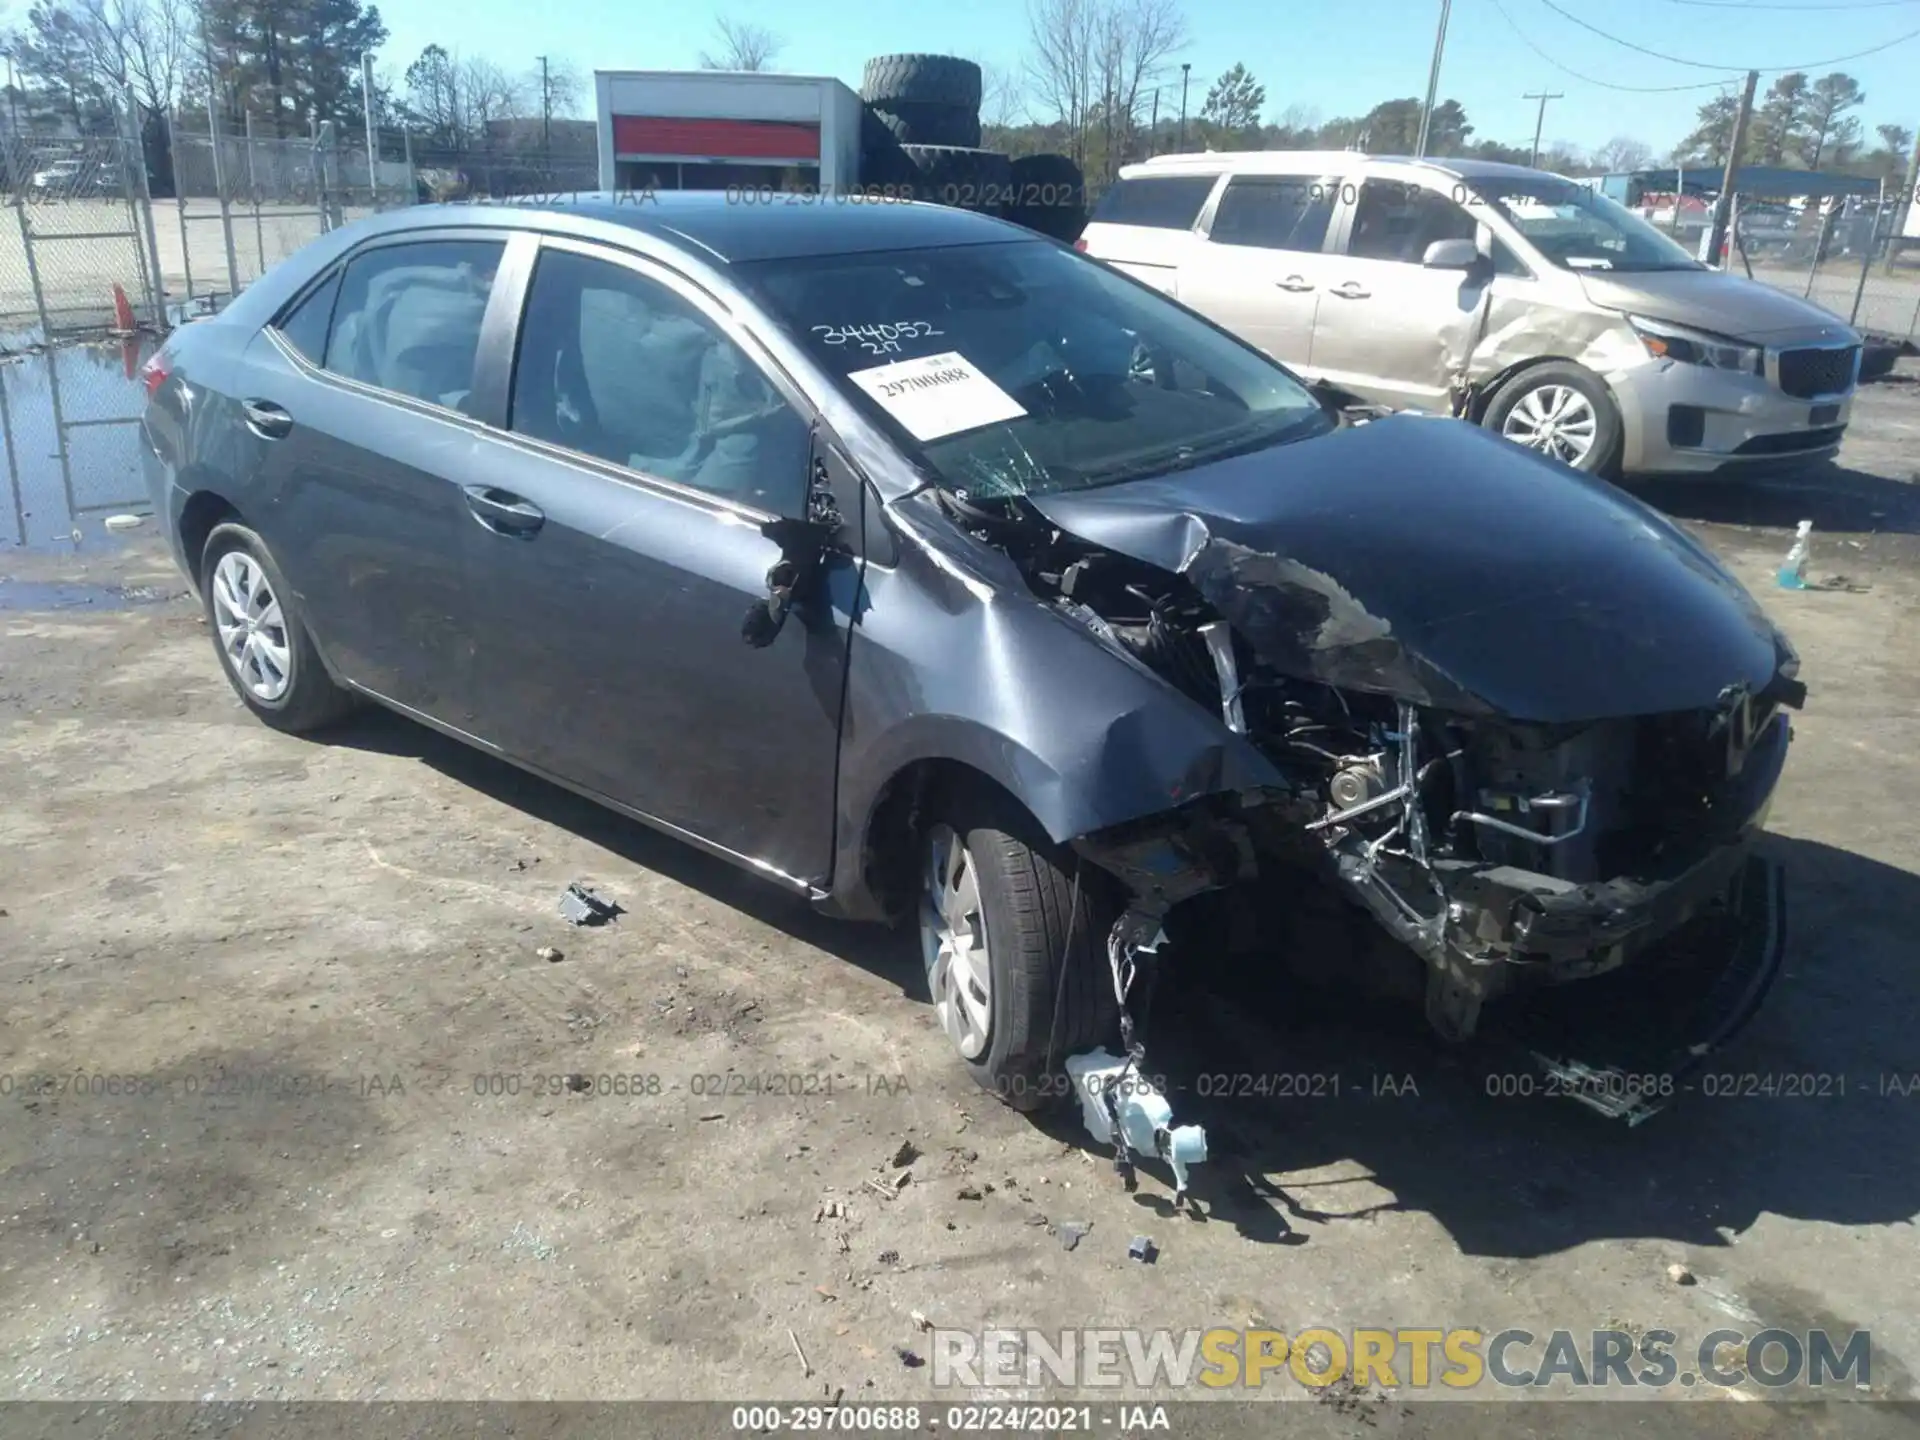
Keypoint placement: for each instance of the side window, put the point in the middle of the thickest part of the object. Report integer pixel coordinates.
(618, 366)
(1160, 202)
(1505, 262)
(305, 326)
(1274, 212)
(408, 317)
(1394, 220)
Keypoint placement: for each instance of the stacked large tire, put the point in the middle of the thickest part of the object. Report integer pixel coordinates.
(920, 138)
(925, 99)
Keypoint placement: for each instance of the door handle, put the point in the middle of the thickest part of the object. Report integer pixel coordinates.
(266, 419)
(1352, 290)
(503, 512)
(1298, 284)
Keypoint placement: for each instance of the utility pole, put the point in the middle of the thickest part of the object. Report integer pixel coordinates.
(1185, 68)
(1910, 211)
(1153, 125)
(1729, 183)
(373, 136)
(546, 121)
(1433, 82)
(1539, 124)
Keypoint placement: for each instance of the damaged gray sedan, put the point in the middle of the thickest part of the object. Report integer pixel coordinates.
(940, 574)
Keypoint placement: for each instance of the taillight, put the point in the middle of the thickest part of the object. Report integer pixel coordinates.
(154, 373)
(1081, 246)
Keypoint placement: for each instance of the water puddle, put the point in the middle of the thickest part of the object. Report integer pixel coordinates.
(70, 446)
(18, 595)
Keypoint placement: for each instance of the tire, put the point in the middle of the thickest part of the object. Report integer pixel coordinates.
(1049, 194)
(309, 698)
(915, 123)
(964, 178)
(1514, 408)
(921, 79)
(1025, 915)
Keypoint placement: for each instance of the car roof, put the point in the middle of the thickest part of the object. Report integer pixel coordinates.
(739, 226)
(1323, 162)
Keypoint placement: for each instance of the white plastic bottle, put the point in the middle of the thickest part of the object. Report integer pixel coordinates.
(1793, 570)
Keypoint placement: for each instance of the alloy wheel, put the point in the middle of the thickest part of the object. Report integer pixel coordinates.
(953, 942)
(253, 631)
(1556, 420)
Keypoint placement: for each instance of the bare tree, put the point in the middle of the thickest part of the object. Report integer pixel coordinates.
(1094, 62)
(563, 85)
(1621, 153)
(1003, 98)
(743, 47)
(1136, 40)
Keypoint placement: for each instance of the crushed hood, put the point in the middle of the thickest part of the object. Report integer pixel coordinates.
(1429, 560)
(1714, 300)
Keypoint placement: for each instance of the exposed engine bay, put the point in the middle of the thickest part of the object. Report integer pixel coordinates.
(1505, 853)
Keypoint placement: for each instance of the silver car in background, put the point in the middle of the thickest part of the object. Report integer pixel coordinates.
(1518, 299)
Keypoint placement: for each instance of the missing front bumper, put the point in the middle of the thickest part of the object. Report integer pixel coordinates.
(1629, 1043)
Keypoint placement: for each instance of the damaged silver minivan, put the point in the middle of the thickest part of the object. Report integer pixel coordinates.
(1520, 299)
(941, 574)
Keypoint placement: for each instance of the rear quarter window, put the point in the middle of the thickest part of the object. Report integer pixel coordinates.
(1159, 202)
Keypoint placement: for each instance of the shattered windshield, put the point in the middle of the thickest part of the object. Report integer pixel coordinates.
(1579, 229)
(1023, 369)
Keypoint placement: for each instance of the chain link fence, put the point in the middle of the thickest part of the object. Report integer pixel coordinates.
(74, 254)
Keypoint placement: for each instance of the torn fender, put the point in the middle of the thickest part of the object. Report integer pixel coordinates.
(1430, 561)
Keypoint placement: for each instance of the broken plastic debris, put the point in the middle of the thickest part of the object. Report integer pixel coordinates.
(580, 906)
(123, 522)
(1101, 1080)
(1143, 1249)
(1793, 570)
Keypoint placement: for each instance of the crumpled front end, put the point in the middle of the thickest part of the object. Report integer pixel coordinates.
(1517, 818)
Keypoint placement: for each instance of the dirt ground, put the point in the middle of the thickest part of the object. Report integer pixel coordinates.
(352, 1166)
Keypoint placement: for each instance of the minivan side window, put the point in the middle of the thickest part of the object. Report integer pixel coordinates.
(1159, 202)
(408, 317)
(1394, 220)
(616, 365)
(1274, 212)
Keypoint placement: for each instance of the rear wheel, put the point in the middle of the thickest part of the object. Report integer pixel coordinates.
(1016, 961)
(1563, 411)
(260, 636)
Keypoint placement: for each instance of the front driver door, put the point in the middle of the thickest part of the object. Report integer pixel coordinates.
(1389, 328)
(615, 546)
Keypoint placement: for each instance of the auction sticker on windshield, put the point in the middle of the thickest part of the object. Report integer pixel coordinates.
(937, 395)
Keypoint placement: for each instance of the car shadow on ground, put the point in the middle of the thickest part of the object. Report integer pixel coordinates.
(1353, 1108)
(875, 948)
(1813, 1112)
(1833, 496)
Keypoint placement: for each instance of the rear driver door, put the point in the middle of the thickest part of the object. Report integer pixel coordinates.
(1261, 268)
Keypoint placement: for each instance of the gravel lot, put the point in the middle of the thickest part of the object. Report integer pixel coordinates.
(325, 955)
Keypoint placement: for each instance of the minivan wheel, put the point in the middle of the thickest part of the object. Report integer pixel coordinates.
(260, 636)
(998, 923)
(1563, 411)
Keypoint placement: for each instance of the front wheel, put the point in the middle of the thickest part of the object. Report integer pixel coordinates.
(1016, 960)
(1563, 411)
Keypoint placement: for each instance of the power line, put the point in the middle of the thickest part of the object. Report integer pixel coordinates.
(1564, 69)
(1704, 65)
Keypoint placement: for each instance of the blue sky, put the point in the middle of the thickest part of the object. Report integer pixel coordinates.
(1337, 58)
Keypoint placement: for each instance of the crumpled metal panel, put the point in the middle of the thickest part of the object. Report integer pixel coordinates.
(1428, 560)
